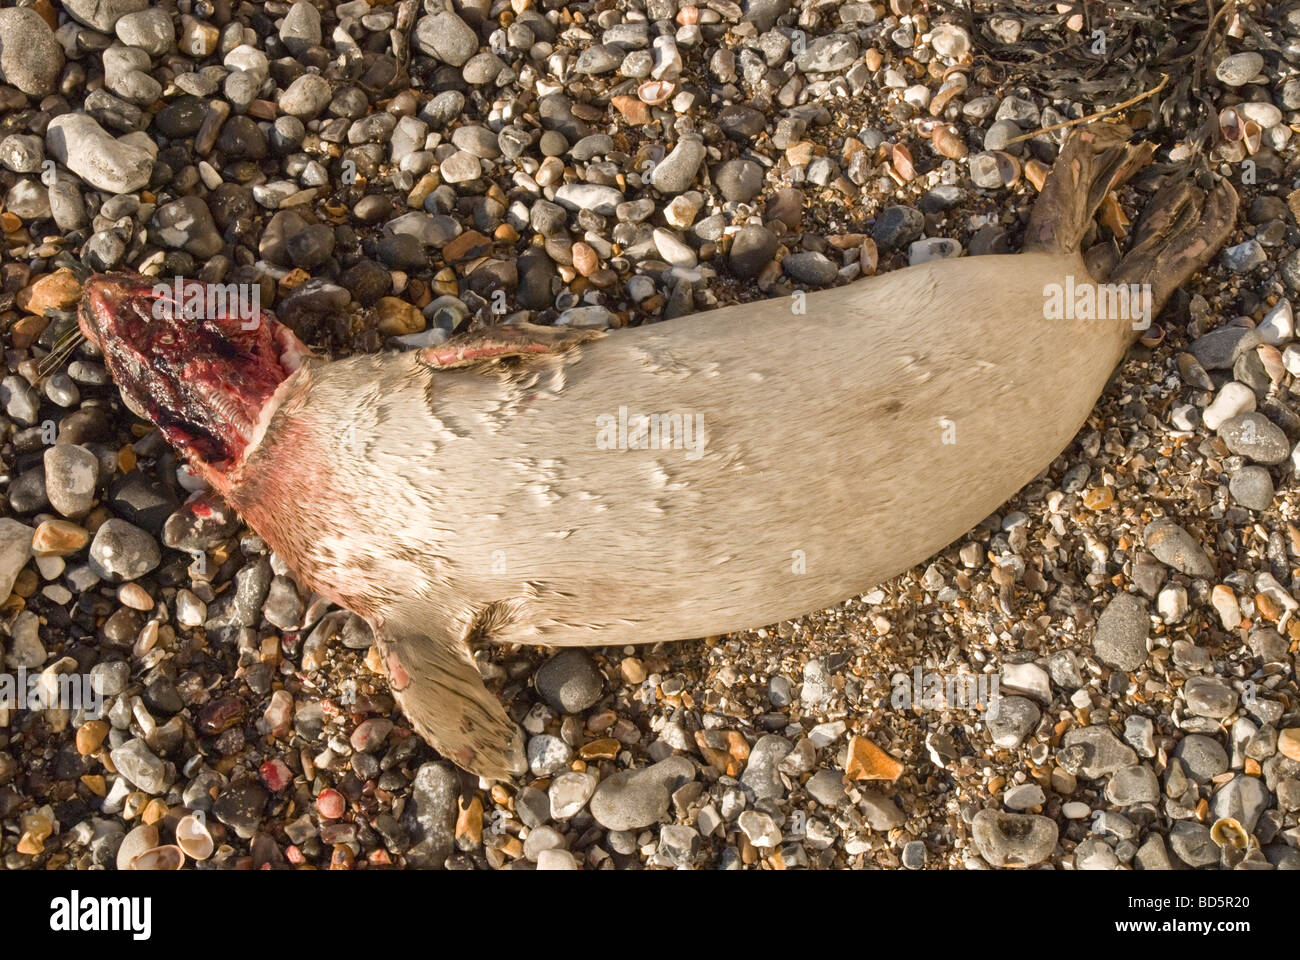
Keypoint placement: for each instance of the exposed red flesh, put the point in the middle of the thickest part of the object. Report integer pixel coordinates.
(203, 380)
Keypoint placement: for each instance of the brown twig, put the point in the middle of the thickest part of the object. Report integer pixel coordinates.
(1164, 79)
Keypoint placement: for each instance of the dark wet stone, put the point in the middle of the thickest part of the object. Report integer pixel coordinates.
(241, 807)
(897, 226)
(751, 249)
(142, 500)
(181, 118)
(241, 606)
(570, 682)
(741, 122)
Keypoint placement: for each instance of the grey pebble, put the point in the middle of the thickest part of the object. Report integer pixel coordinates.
(1023, 797)
(1191, 843)
(1012, 719)
(151, 30)
(21, 153)
(762, 774)
(116, 165)
(1100, 752)
(1129, 786)
(599, 199)
(1173, 545)
(810, 267)
(570, 682)
(241, 606)
(430, 815)
(1244, 257)
(547, 754)
(1013, 839)
(897, 226)
(752, 248)
(1254, 435)
(1252, 487)
(1122, 630)
(739, 180)
(122, 551)
(1219, 349)
(30, 57)
(1239, 68)
(1210, 697)
(301, 27)
(676, 172)
(135, 761)
(71, 473)
(633, 799)
(1243, 798)
(828, 54)
(20, 400)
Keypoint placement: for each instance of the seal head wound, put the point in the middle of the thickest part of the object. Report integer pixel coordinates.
(205, 377)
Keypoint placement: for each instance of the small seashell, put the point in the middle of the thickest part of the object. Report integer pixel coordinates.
(688, 15)
(169, 857)
(868, 257)
(1252, 136)
(193, 836)
(1230, 124)
(942, 98)
(1008, 168)
(1228, 832)
(1153, 335)
(949, 143)
(655, 92)
(1271, 358)
(1036, 173)
(1112, 216)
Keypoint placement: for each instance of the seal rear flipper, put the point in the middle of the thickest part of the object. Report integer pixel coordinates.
(504, 340)
(1180, 229)
(442, 693)
(1095, 160)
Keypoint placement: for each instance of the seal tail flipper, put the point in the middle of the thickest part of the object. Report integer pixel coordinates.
(1095, 160)
(1181, 228)
(443, 695)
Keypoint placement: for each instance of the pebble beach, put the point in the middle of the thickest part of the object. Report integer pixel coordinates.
(388, 175)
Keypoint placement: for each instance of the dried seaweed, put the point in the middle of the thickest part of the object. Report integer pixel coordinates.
(1124, 49)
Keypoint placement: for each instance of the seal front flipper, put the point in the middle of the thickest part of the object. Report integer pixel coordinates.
(505, 340)
(442, 693)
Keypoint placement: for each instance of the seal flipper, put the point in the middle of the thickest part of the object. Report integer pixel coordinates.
(443, 695)
(504, 340)
(1180, 229)
(1096, 159)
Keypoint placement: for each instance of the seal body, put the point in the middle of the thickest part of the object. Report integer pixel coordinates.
(689, 478)
(906, 410)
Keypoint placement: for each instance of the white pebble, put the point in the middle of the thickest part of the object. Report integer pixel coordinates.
(556, 860)
(1291, 359)
(1232, 399)
(1172, 603)
(1278, 326)
(1027, 679)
